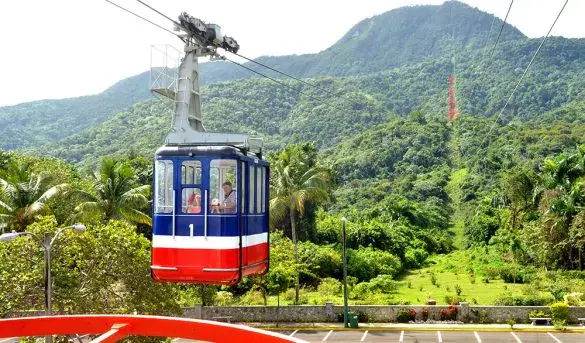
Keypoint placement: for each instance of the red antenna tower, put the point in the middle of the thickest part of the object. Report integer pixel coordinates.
(452, 101)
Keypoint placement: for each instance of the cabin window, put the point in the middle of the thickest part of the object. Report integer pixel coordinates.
(259, 189)
(251, 188)
(191, 173)
(163, 190)
(223, 186)
(243, 190)
(192, 200)
(264, 193)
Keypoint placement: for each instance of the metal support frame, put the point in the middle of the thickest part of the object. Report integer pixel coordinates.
(187, 123)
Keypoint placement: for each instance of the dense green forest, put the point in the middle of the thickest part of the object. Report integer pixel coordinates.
(476, 209)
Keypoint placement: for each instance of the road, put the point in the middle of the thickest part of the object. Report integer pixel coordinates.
(315, 336)
(437, 336)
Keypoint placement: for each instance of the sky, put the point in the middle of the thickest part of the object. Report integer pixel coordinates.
(65, 48)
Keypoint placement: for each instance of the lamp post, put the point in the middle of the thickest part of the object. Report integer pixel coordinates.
(345, 306)
(47, 243)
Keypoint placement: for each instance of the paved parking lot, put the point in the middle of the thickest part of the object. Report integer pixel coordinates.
(436, 336)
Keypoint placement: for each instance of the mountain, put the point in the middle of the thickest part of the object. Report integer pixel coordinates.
(44, 121)
(403, 36)
(400, 37)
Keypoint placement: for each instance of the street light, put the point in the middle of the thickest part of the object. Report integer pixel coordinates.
(345, 306)
(47, 245)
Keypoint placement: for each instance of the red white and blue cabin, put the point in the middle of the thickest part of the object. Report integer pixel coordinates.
(192, 241)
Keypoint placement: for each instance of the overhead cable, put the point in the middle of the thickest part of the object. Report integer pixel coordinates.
(526, 70)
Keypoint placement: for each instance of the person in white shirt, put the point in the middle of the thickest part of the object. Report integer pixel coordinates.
(228, 204)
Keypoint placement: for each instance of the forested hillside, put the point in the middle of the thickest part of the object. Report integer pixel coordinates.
(44, 121)
(420, 41)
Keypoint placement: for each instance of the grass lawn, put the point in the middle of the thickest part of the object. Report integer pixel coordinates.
(417, 287)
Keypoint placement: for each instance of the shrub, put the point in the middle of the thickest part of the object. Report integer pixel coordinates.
(424, 313)
(323, 261)
(405, 316)
(560, 312)
(330, 287)
(367, 263)
(559, 325)
(574, 299)
(523, 300)
(538, 314)
(415, 258)
(433, 278)
(491, 272)
(381, 284)
(224, 298)
(453, 299)
(458, 290)
(514, 274)
(253, 297)
(289, 295)
(449, 313)
(511, 322)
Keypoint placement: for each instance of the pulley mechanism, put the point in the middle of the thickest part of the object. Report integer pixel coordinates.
(201, 40)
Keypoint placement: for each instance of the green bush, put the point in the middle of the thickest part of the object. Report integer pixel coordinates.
(415, 258)
(559, 325)
(382, 284)
(560, 312)
(252, 297)
(322, 260)
(330, 287)
(453, 299)
(224, 298)
(514, 274)
(538, 314)
(367, 263)
(574, 299)
(405, 316)
(523, 300)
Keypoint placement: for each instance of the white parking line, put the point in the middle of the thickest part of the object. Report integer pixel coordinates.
(439, 338)
(516, 337)
(327, 335)
(364, 336)
(12, 339)
(401, 337)
(553, 337)
(293, 333)
(477, 336)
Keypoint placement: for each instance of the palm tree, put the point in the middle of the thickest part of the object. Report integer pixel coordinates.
(116, 196)
(294, 183)
(561, 196)
(24, 196)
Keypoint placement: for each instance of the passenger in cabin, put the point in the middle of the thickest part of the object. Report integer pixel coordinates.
(228, 205)
(194, 203)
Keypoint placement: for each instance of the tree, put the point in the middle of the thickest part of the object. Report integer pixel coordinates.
(104, 269)
(293, 185)
(24, 195)
(117, 196)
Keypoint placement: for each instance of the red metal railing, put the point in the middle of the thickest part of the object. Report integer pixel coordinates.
(112, 328)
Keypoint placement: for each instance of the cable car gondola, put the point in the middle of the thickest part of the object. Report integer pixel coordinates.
(210, 201)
